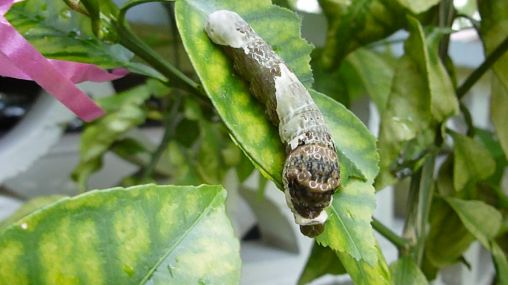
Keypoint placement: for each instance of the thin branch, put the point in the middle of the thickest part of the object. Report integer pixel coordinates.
(480, 71)
(398, 241)
(141, 49)
(11, 194)
(171, 120)
(421, 192)
(446, 15)
(424, 203)
(468, 119)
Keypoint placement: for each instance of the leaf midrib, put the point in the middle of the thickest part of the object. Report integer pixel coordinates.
(179, 240)
(347, 233)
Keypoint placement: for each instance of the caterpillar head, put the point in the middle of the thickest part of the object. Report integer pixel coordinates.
(310, 176)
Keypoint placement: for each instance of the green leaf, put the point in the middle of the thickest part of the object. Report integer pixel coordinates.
(407, 117)
(444, 103)
(352, 24)
(444, 181)
(422, 96)
(254, 134)
(353, 140)
(244, 168)
(210, 165)
(493, 30)
(124, 113)
(290, 4)
(128, 147)
(480, 219)
(492, 144)
(334, 83)
(182, 165)
(418, 6)
(103, 14)
(448, 239)
(348, 228)
(406, 272)
(141, 235)
(423, 51)
(60, 33)
(501, 264)
(322, 261)
(242, 114)
(468, 168)
(374, 73)
(29, 207)
(498, 111)
(365, 274)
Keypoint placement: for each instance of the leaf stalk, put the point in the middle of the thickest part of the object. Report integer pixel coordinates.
(480, 70)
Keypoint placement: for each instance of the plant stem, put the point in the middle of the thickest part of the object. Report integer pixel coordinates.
(171, 120)
(468, 119)
(446, 12)
(137, 46)
(420, 200)
(480, 71)
(395, 239)
(11, 194)
(425, 201)
(409, 231)
(130, 4)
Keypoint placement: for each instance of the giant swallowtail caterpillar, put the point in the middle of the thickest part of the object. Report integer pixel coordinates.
(311, 171)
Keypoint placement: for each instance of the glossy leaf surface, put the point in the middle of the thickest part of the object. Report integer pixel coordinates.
(254, 134)
(141, 235)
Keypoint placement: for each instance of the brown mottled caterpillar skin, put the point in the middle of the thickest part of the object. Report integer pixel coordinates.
(311, 171)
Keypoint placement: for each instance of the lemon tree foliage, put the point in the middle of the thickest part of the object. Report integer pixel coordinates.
(145, 234)
(150, 234)
(349, 227)
(61, 33)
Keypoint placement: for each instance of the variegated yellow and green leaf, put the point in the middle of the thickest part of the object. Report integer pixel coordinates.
(141, 235)
(249, 126)
(363, 273)
(349, 222)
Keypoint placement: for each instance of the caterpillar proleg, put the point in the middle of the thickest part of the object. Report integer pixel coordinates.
(311, 171)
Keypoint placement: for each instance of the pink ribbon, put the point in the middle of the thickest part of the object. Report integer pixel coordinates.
(19, 59)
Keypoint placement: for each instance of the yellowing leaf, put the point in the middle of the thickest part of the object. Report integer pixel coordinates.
(140, 235)
(258, 138)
